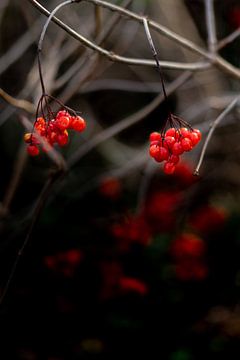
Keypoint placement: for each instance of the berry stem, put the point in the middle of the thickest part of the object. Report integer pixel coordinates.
(42, 38)
(155, 55)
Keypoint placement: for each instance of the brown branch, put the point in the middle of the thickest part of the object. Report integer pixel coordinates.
(21, 104)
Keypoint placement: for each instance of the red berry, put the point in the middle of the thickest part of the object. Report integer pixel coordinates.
(184, 132)
(62, 139)
(194, 138)
(169, 141)
(169, 168)
(188, 245)
(198, 132)
(173, 159)
(173, 132)
(33, 150)
(78, 124)
(155, 136)
(177, 148)
(186, 144)
(62, 122)
(153, 151)
(162, 154)
(62, 113)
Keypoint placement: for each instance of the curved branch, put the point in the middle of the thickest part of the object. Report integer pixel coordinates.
(212, 128)
(217, 60)
(117, 58)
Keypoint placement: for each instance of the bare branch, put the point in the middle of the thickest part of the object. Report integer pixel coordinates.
(21, 104)
(228, 39)
(212, 128)
(211, 25)
(218, 60)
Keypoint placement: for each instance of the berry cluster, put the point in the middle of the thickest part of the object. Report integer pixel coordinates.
(53, 131)
(169, 145)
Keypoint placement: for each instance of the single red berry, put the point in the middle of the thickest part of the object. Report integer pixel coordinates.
(153, 150)
(162, 154)
(169, 168)
(194, 138)
(184, 132)
(62, 139)
(32, 150)
(155, 136)
(186, 144)
(188, 245)
(62, 122)
(173, 132)
(198, 132)
(62, 113)
(78, 124)
(177, 148)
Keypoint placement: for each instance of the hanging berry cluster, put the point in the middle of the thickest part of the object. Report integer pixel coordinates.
(53, 129)
(169, 145)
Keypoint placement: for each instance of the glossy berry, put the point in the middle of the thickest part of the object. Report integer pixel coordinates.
(32, 150)
(169, 168)
(62, 122)
(155, 136)
(186, 144)
(62, 139)
(162, 154)
(78, 124)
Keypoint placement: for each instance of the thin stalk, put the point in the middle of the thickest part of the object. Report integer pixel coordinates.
(155, 55)
(212, 129)
(39, 50)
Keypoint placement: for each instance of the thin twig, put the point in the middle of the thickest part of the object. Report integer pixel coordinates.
(108, 27)
(155, 55)
(98, 20)
(211, 25)
(65, 3)
(117, 58)
(212, 128)
(228, 39)
(218, 60)
(19, 103)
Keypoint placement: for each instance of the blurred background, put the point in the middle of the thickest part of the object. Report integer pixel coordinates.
(122, 259)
